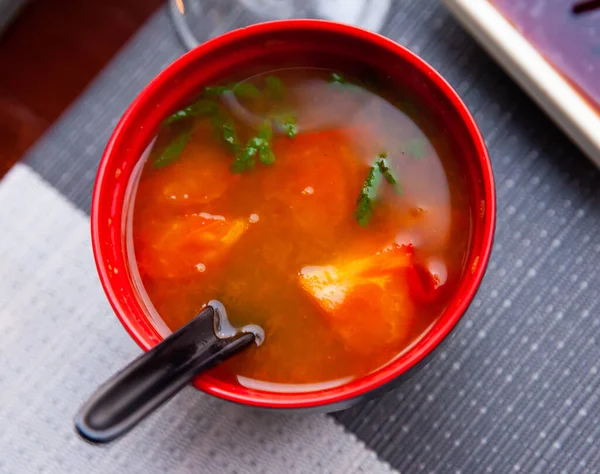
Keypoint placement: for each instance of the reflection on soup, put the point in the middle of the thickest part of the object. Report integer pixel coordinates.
(331, 214)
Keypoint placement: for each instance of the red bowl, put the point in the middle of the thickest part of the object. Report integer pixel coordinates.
(278, 44)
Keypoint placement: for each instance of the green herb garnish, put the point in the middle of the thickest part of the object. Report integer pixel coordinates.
(385, 170)
(200, 108)
(265, 154)
(266, 130)
(364, 209)
(368, 193)
(229, 135)
(172, 150)
(415, 147)
(259, 145)
(245, 160)
(245, 90)
(215, 91)
(370, 82)
(242, 90)
(274, 87)
(337, 78)
(225, 129)
(287, 124)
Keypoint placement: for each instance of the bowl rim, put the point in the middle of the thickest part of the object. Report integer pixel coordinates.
(389, 371)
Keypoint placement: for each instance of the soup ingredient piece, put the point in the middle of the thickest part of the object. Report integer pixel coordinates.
(330, 284)
(369, 82)
(338, 78)
(415, 147)
(206, 106)
(425, 284)
(200, 175)
(215, 91)
(226, 128)
(246, 159)
(265, 154)
(286, 123)
(274, 87)
(368, 193)
(315, 180)
(385, 170)
(374, 317)
(186, 245)
(364, 210)
(230, 135)
(245, 90)
(242, 90)
(256, 145)
(200, 108)
(366, 300)
(173, 150)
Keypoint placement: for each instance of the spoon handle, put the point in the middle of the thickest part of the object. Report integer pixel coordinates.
(156, 376)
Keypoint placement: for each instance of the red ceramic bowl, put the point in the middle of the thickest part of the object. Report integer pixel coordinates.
(280, 44)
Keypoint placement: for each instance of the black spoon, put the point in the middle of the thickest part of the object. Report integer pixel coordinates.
(156, 376)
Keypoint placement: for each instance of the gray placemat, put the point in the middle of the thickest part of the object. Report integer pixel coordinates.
(517, 387)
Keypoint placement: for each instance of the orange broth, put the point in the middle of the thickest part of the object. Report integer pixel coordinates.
(280, 245)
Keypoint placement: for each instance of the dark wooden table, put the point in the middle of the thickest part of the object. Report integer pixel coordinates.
(49, 55)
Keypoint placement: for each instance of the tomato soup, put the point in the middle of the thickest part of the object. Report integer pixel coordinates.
(321, 206)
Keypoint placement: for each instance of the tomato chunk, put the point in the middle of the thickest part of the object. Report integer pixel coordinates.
(317, 176)
(187, 245)
(200, 175)
(365, 300)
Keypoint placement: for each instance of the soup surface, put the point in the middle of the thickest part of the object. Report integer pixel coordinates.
(328, 212)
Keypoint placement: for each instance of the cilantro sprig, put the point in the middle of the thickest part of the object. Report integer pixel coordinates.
(274, 88)
(200, 108)
(259, 146)
(366, 199)
(368, 194)
(173, 150)
(286, 123)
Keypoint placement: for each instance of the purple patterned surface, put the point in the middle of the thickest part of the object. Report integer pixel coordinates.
(570, 41)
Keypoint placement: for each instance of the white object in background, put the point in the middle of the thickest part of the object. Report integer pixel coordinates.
(553, 93)
(198, 20)
(366, 14)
